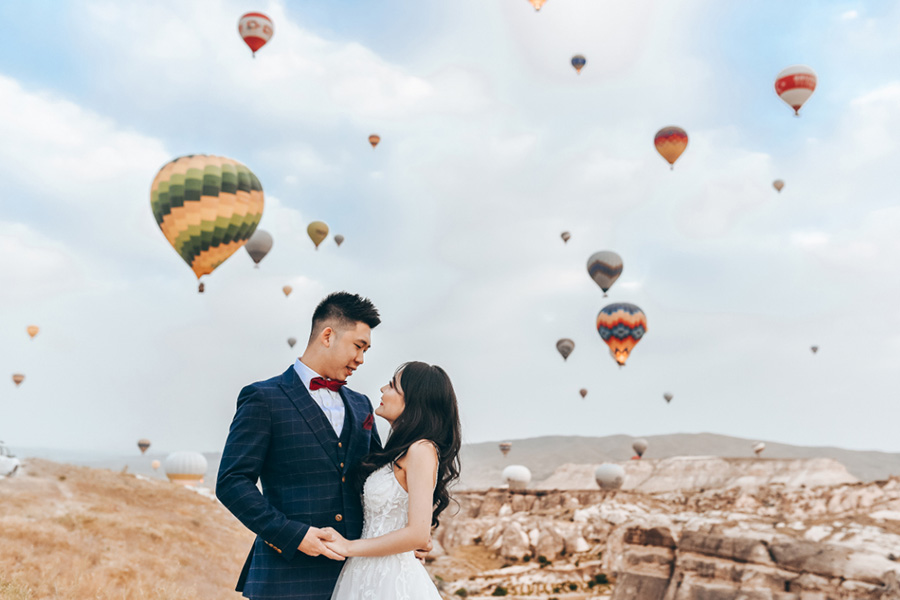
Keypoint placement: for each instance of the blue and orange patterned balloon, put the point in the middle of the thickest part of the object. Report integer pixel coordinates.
(578, 61)
(621, 325)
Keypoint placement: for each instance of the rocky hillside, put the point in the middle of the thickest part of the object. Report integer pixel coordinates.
(706, 472)
(770, 543)
(483, 463)
(70, 532)
(74, 532)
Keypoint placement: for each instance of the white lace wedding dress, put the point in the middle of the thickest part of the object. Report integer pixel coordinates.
(395, 577)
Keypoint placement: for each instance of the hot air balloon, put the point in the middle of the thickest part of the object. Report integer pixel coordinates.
(186, 468)
(621, 325)
(758, 448)
(566, 236)
(583, 392)
(537, 4)
(258, 245)
(778, 185)
(578, 61)
(505, 447)
(287, 290)
(292, 341)
(18, 378)
(609, 476)
(317, 231)
(668, 396)
(517, 477)
(374, 139)
(639, 446)
(670, 143)
(256, 29)
(814, 349)
(565, 347)
(32, 330)
(155, 464)
(339, 239)
(143, 444)
(201, 288)
(795, 85)
(604, 268)
(207, 207)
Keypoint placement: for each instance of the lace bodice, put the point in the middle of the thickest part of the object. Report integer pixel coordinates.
(385, 503)
(394, 577)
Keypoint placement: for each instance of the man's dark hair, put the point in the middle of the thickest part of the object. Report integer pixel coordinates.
(346, 310)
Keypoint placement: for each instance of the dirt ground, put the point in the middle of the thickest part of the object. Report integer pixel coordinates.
(71, 532)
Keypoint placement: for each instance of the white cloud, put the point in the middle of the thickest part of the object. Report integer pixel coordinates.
(452, 225)
(809, 239)
(298, 77)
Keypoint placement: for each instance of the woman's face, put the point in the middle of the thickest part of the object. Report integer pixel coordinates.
(392, 402)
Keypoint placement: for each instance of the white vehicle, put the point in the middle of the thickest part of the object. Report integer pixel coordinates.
(9, 464)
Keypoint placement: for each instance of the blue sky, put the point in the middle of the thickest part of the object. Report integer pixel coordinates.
(492, 145)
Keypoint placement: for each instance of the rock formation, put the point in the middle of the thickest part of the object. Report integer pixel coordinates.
(769, 542)
(706, 472)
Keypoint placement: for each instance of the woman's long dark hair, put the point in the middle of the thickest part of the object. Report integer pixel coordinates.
(430, 414)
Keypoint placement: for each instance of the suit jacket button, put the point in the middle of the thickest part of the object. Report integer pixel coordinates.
(343, 479)
(338, 518)
(342, 465)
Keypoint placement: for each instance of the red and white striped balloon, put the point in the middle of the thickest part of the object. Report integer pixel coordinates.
(795, 85)
(256, 29)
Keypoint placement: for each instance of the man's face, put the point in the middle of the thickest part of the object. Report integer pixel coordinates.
(347, 345)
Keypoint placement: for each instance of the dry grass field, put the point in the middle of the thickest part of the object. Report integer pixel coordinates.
(71, 532)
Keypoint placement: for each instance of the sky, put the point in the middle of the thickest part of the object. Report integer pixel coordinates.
(491, 146)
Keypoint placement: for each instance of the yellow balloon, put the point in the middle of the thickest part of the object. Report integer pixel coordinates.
(317, 231)
(287, 290)
(33, 330)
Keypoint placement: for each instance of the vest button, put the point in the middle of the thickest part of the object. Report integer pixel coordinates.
(340, 445)
(338, 518)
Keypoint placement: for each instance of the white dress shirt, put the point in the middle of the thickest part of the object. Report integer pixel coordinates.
(330, 402)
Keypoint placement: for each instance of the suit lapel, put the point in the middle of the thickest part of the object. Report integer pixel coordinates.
(357, 414)
(310, 411)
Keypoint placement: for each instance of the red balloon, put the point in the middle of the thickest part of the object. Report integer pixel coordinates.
(256, 29)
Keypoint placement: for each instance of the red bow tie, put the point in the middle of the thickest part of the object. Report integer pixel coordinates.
(320, 382)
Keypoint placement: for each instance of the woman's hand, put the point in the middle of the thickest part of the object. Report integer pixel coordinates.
(338, 544)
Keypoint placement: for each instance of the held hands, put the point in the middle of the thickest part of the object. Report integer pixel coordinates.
(337, 543)
(316, 543)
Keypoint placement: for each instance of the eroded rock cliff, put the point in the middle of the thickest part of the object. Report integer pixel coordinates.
(770, 542)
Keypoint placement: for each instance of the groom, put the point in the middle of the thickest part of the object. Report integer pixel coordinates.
(300, 433)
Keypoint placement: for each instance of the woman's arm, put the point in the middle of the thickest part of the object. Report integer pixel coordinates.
(421, 463)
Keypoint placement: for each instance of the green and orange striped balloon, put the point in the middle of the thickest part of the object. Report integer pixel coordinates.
(207, 207)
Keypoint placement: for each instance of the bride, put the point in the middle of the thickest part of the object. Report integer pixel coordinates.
(404, 489)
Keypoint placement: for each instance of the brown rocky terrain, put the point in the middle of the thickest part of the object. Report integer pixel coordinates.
(70, 532)
(75, 533)
(769, 543)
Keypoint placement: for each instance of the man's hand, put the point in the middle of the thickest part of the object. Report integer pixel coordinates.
(338, 543)
(313, 544)
(421, 553)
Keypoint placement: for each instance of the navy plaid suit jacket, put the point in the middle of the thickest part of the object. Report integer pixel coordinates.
(280, 436)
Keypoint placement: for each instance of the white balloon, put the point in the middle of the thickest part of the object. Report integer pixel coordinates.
(610, 476)
(186, 468)
(517, 476)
